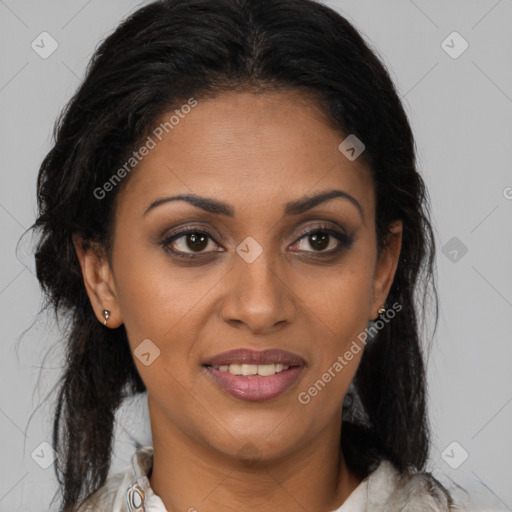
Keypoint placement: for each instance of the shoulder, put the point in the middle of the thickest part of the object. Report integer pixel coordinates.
(127, 490)
(110, 497)
(388, 491)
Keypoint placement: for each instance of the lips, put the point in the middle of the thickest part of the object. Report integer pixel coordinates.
(276, 372)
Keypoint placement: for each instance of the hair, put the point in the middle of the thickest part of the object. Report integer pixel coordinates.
(162, 54)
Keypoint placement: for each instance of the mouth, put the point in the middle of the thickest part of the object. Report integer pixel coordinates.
(255, 376)
(250, 370)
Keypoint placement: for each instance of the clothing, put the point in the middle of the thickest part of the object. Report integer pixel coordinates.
(382, 491)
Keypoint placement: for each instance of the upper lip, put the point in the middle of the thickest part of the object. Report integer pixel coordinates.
(247, 356)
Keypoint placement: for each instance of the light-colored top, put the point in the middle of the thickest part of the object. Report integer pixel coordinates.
(384, 490)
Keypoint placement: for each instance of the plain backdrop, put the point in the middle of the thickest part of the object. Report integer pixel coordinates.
(460, 105)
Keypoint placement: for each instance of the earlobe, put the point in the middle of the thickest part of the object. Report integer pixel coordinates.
(386, 266)
(98, 281)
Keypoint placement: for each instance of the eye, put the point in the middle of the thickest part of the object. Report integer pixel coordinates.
(192, 243)
(189, 243)
(321, 238)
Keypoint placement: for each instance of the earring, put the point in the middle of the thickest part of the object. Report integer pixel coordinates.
(106, 316)
(381, 310)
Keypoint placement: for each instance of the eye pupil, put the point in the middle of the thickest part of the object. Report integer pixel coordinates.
(319, 240)
(195, 241)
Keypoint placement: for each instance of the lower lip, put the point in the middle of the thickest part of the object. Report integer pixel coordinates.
(255, 388)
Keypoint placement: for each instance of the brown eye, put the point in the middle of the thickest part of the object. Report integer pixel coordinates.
(323, 240)
(189, 243)
(319, 240)
(196, 241)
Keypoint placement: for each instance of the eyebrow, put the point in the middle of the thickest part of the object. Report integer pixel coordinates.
(291, 208)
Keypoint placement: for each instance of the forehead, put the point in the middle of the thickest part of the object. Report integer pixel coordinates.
(251, 149)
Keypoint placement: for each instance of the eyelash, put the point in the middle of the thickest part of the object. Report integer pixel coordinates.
(344, 240)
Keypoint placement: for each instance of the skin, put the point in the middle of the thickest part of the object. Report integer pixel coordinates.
(256, 152)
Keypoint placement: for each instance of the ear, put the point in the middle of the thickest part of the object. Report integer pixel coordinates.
(386, 267)
(98, 280)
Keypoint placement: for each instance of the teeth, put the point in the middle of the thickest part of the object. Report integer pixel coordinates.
(267, 369)
(263, 370)
(235, 369)
(249, 369)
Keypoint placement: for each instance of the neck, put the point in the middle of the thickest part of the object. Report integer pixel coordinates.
(188, 475)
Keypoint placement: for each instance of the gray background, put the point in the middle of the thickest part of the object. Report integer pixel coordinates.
(460, 109)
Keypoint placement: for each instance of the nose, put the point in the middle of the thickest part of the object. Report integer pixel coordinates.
(258, 296)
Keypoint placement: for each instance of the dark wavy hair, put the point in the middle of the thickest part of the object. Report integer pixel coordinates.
(164, 53)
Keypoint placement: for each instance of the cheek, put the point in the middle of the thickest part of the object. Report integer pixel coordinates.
(167, 305)
(337, 305)
(157, 304)
(155, 296)
(338, 299)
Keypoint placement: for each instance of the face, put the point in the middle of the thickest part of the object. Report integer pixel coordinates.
(259, 266)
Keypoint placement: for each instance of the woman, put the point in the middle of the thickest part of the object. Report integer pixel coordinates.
(232, 219)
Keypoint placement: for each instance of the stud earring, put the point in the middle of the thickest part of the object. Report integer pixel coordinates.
(381, 310)
(106, 316)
